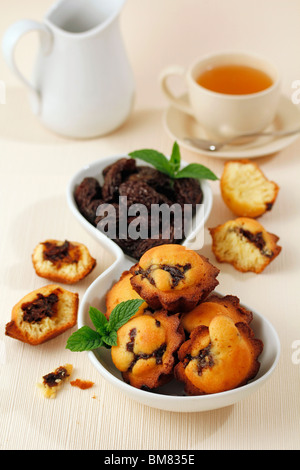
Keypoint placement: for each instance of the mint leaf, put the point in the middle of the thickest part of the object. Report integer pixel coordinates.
(175, 158)
(156, 159)
(172, 167)
(99, 320)
(196, 170)
(123, 312)
(111, 339)
(84, 339)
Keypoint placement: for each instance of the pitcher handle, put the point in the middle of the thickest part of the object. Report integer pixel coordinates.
(179, 102)
(10, 39)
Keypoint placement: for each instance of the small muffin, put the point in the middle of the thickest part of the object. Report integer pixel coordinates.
(245, 189)
(245, 244)
(52, 382)
(62, 261)
(215, 305)
(173, 278)
(122, 290)
(217, 358)
(146, 347)
(43, 314)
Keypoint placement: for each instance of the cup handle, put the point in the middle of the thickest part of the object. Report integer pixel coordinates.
(179, 102)
(10, 39)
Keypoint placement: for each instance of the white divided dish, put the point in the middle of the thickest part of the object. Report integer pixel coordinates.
(170, 397)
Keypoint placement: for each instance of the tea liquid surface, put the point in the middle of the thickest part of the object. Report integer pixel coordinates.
(234, 79)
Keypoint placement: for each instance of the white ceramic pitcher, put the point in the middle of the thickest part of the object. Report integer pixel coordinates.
(82, 85)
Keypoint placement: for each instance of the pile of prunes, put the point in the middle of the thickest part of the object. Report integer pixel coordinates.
(132, 224)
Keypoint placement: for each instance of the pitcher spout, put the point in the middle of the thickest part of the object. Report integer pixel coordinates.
(83, 16)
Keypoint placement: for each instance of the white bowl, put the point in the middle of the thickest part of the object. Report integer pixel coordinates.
(171, 396)
(95, 170)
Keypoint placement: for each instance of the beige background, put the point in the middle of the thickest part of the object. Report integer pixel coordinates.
(35, 167)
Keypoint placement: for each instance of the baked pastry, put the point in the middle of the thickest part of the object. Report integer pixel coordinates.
(215, 305)
(146, 347)
(245, 189)
(43, 314)
(173, 278)
(62, 261)
(245, 244)
(122, 290)
(219, 357)
(53, 381)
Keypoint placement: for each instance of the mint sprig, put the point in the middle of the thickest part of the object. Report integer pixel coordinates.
(172, 167)
(105, 333)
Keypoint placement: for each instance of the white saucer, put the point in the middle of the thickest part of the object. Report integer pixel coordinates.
(180, 125)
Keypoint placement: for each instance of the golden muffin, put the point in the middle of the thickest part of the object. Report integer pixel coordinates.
(62, 261)
(43, 314)
(146, 347)
(245, 189)
(173, 278)
(219, 357)
(215, 305)
(121, 291)
(245, 244)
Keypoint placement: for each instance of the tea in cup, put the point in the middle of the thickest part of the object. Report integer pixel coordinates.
(227, 93)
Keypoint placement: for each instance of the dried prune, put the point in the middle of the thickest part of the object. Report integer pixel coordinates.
(114, 176)
(188, 191)
(139, 192)
(89, 211)
(144, 185)
(157, 180)
(88, 190)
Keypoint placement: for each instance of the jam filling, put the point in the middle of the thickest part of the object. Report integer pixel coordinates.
(257, 239)
(204, 359)
(53, 378)
(40, 308)
(157, 354)
(176, 272)
(67, 252)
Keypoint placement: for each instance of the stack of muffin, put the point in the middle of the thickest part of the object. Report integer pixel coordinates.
(183, 330)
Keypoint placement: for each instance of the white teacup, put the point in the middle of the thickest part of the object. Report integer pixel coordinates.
(225, 115)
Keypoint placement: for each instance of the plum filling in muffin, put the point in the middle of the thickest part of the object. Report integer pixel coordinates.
(66, 252)
(257, 239)
(157, 353)
(177, 272)
(53, 378)
(203, 359)
(41, 307)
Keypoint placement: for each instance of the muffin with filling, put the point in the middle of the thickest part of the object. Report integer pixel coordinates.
(121, 291)
(43, 314)
(146, 349)
(218, 357)
(173, 278)
(62, 261)
(245, 189)
(245, 244)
